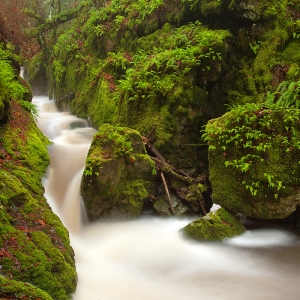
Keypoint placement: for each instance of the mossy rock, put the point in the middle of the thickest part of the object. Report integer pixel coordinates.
(35, 245)
(217, 225)
(253, 159)
(118, 176)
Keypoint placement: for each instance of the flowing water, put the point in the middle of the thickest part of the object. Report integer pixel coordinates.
(148, 259)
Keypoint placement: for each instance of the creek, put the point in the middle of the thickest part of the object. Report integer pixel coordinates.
(148, 258)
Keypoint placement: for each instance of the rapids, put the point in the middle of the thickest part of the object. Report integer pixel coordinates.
(147, 258)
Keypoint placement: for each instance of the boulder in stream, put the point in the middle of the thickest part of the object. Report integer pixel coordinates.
(217, 225)
(118, 175)
(254, 161)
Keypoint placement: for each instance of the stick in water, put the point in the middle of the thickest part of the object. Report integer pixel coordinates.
(167, 191)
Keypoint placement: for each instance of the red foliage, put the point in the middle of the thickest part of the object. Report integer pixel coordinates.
(13, 23)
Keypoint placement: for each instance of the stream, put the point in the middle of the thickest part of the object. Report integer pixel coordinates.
(148, 258)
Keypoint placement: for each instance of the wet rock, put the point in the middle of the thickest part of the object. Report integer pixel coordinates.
(162, 206)
(253, 161)
(118, 176)
(64, 102)
(247, 10)
(217, 225)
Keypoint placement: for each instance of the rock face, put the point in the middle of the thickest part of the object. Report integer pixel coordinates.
(254, 160)
(217, 225)
(118, 176)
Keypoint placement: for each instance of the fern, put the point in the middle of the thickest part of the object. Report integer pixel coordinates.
(287, 94)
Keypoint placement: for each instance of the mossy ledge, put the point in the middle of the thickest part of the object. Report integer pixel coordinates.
(36, 259)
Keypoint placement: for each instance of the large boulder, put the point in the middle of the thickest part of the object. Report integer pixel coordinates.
(217, 225)
(118, 176)
(254, 160)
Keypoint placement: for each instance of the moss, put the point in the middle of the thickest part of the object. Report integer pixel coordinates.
(208, 7)
(34, 243)
(164, 101)
(117, 165)
(262, 159)
(217, 225)
(21, 290)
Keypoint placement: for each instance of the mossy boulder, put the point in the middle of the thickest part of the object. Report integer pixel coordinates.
(35, 254)
(254, 160)
(217, 225)
(118, 175)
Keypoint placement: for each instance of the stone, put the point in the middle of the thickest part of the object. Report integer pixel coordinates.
(253, 156)
(118, 176)
(217, 225)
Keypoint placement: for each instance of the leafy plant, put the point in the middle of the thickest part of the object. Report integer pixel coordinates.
(287, 94)
(33, 108)
(254, 47)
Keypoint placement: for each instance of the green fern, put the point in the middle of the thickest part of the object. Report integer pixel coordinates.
(287, 94)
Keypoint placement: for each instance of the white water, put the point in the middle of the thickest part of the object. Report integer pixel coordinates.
(148, 259)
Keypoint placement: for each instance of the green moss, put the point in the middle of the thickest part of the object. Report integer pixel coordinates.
(252, 160)
(21, 290)
(217, 225)
(34, 243)
(117, 165)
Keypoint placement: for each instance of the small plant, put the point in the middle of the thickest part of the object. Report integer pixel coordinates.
(296, 35)
(33, 108)
(255, 47)
(287, 94)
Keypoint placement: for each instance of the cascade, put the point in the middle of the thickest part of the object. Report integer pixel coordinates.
(148, 258)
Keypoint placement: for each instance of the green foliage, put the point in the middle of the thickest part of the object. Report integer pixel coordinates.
(9, 84)
(287, 94)
(41, 253)
(21, 290)
(296, 35)
(158, 71)
(254, 47)
(33, 108)
(115, 142)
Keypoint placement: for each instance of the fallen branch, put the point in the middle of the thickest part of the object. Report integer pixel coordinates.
(151, 150)
(178, 176)
(167, 192)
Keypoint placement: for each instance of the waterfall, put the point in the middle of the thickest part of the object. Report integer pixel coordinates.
(148, 258)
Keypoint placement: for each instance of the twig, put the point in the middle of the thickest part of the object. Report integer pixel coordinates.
(151, 150)
(167, 191)
(203, 208)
